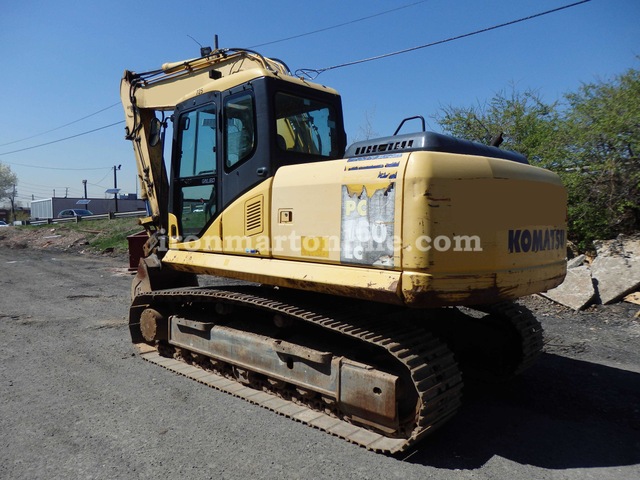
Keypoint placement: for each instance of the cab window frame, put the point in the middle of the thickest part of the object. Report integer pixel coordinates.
(227, 163)
(182, 179)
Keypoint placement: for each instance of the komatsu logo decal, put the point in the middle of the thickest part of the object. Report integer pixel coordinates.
(536, 240)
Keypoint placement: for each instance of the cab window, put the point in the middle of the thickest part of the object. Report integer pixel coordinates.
(196, 173)
(198, 142)
(239, 129)
(305, 125)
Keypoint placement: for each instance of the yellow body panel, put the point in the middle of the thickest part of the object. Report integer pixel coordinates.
(422, 229)
(246, 223)
(343, 212)
(306, 206)
(374, 284)
(210, 241)
(480, 228)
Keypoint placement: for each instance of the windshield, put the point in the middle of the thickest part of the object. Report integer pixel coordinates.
(305, 125)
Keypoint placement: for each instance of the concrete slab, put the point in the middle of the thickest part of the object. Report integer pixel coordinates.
(616, 269)
(576, 291)
(576, 262)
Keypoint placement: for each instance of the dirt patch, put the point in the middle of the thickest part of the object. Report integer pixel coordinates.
(608, 333)
(56, 239)
(43, 238)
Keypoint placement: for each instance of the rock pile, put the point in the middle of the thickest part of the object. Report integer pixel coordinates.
(612, 274)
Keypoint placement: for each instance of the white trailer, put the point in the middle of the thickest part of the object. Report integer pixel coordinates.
(42, 209)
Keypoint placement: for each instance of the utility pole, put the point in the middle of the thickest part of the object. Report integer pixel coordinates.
(13, 204)
(84, 182)
(115, 185)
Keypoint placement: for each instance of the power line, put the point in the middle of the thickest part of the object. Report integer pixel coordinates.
(56, 168)
(339, 25)
(61, 140)
(33, 185)
(61, 126)
(97, 183)
(22, 188)
(38, 189)
(117, 103)
(45, 190)
(313, 73)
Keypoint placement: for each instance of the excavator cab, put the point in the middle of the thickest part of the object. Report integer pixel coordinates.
(227, 142)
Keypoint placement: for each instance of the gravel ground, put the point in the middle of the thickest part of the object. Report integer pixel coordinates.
(77, 403)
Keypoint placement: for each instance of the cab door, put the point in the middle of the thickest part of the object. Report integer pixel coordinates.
(195, 191)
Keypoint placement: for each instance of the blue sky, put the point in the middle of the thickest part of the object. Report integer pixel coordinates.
(63, 60)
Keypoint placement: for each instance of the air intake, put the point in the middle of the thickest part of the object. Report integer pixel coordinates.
(253, 216)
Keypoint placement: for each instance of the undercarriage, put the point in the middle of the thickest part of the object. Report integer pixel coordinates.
(377, 375)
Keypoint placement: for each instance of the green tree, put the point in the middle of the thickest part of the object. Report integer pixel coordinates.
(602, 126)
(592, 142)
(528, 125)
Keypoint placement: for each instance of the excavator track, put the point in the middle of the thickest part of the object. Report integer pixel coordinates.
(492, 343)
(527, 329)
(427, 362)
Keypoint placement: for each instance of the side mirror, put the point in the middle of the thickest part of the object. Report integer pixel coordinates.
(154, 132)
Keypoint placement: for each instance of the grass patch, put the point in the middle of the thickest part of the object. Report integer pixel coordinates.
(113, 234)
(96, 235)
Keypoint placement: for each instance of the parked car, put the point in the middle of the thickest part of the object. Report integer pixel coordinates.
(3, 223)
(74, 212)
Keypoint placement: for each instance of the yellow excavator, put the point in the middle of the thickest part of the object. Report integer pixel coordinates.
(364, 282)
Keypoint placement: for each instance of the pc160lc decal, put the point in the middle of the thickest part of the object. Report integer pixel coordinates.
(367, 229)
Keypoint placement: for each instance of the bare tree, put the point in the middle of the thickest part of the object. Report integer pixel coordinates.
(365, 131)
(8, 182)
